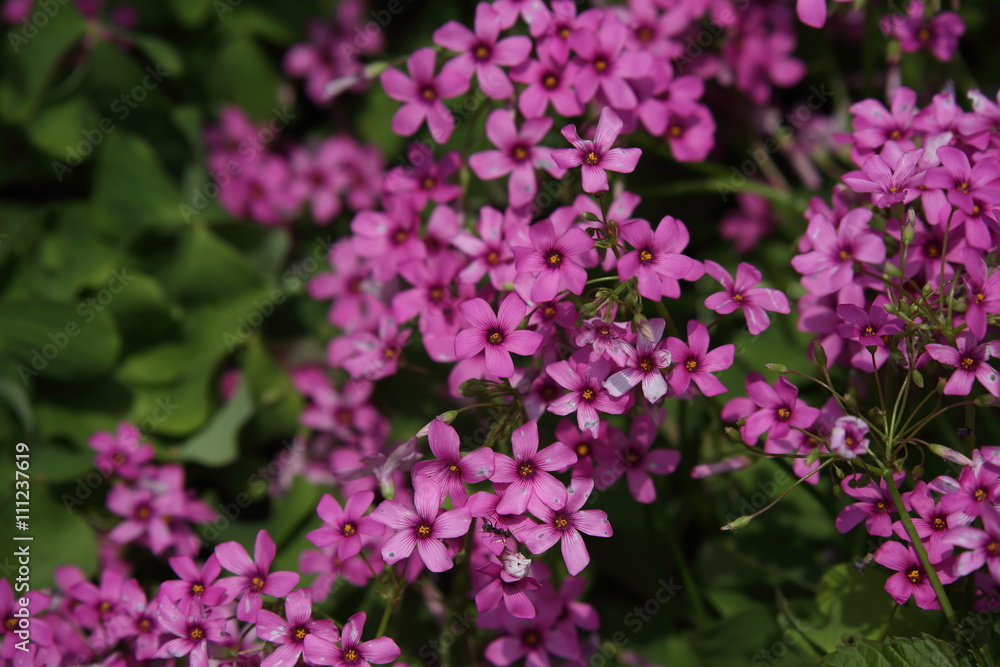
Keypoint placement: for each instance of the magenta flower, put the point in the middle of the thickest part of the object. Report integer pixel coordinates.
(422, 527)
(874, 508)
(934, 523)
(849, 437)
(535, 639)
(969, 361)
(351, 652)
(874, 124)
(421, 94)
(549, 81)
(120, 453)
(743, 294)
(983, 546)
(693, 361)
(975, 493)
(597, 156)
(519, 155)
(555, 261)
(41, 631)
(193, 632)
(506, 589)
(489, 250)
(194, 586)
(345, 527)
(483, 52)
(938, 34)
(633, 457)
(829, 267)
(643, 365)
(565, 524)
(252, 577)
(604, 63)
(451, 471)
(529, 472)
(587, 395)
(497, 334)
(888, 186)
(910, 578)
(606, 339)
(656, 259)
(780, 410)
(867, 328)
(965, 184)
(689, 128)
(982, 291)
(290, 635)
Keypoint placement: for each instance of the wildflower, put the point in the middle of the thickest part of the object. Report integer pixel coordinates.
(743, 294)
(528, 473)
(252, 576)
(422, 526)
(496, 334)
(596, 155)
(290, 635)
(351, 652)
(345, 527)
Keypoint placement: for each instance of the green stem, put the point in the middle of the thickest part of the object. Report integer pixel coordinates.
(700, 613)
(970, 425)
(918, 545)
(390, 604)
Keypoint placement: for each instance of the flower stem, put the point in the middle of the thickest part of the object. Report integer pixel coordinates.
(918, 545)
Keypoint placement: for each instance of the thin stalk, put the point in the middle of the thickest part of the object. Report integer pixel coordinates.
(918, 545)
(700, 613)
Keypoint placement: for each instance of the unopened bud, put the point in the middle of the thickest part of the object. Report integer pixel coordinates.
(471, 388)
(918, 379)
(736, 524)
(986, 399)
(950, 455)
(641, 326)
(909, 227)
(891, 271)
(590, 217)
(777, 368)
(819, 353)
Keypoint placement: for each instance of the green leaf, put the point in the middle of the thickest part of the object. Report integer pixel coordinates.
(207, 269)
(131, 187)
(897, 652)
(61, 341)
(30, 59)
(217, 444)
(279, 403)
(160, 52)
(57, 130)
(191, 13)
(243, 75)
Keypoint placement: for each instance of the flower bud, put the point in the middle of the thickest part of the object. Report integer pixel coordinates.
(736, 524)
(950, 455)
(820, 354)
(777, 368)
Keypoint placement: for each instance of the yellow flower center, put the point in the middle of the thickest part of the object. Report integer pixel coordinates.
(560, 523)
(196, 633)
(496, 338)
(966, 363)
(690, 365)
(256, 584)
(525, 470)
(588, 394)
(424, 530)
(914, 576)
(591, 159)
(348, 530)
(555, 258)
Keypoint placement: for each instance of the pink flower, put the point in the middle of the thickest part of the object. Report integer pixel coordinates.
(743, 294)
(483, 52)
(555, 261)
(829, 267)
(565, 524)
(421, 94)
(535, 639)
(596, 156)
(548, 80)
(351, 652)
(497, 334)
(529, 472)
(643, 365)
(194, 586)
(502, 587)
(656, 260)
(587, 394)
(849, 437)
(253, 578)
(193, 632)
(888, 186)
(780, 410)
(969, 361)
(934, 523)
(290, 635)
(910, 578)
(345, 527)
(874, 508)
(634, 458)
(693, 361)
(604, 63)
(981, 545)
(519, 155)
(452, 471)
(121, 453)
(422, 527)
(965, 183)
